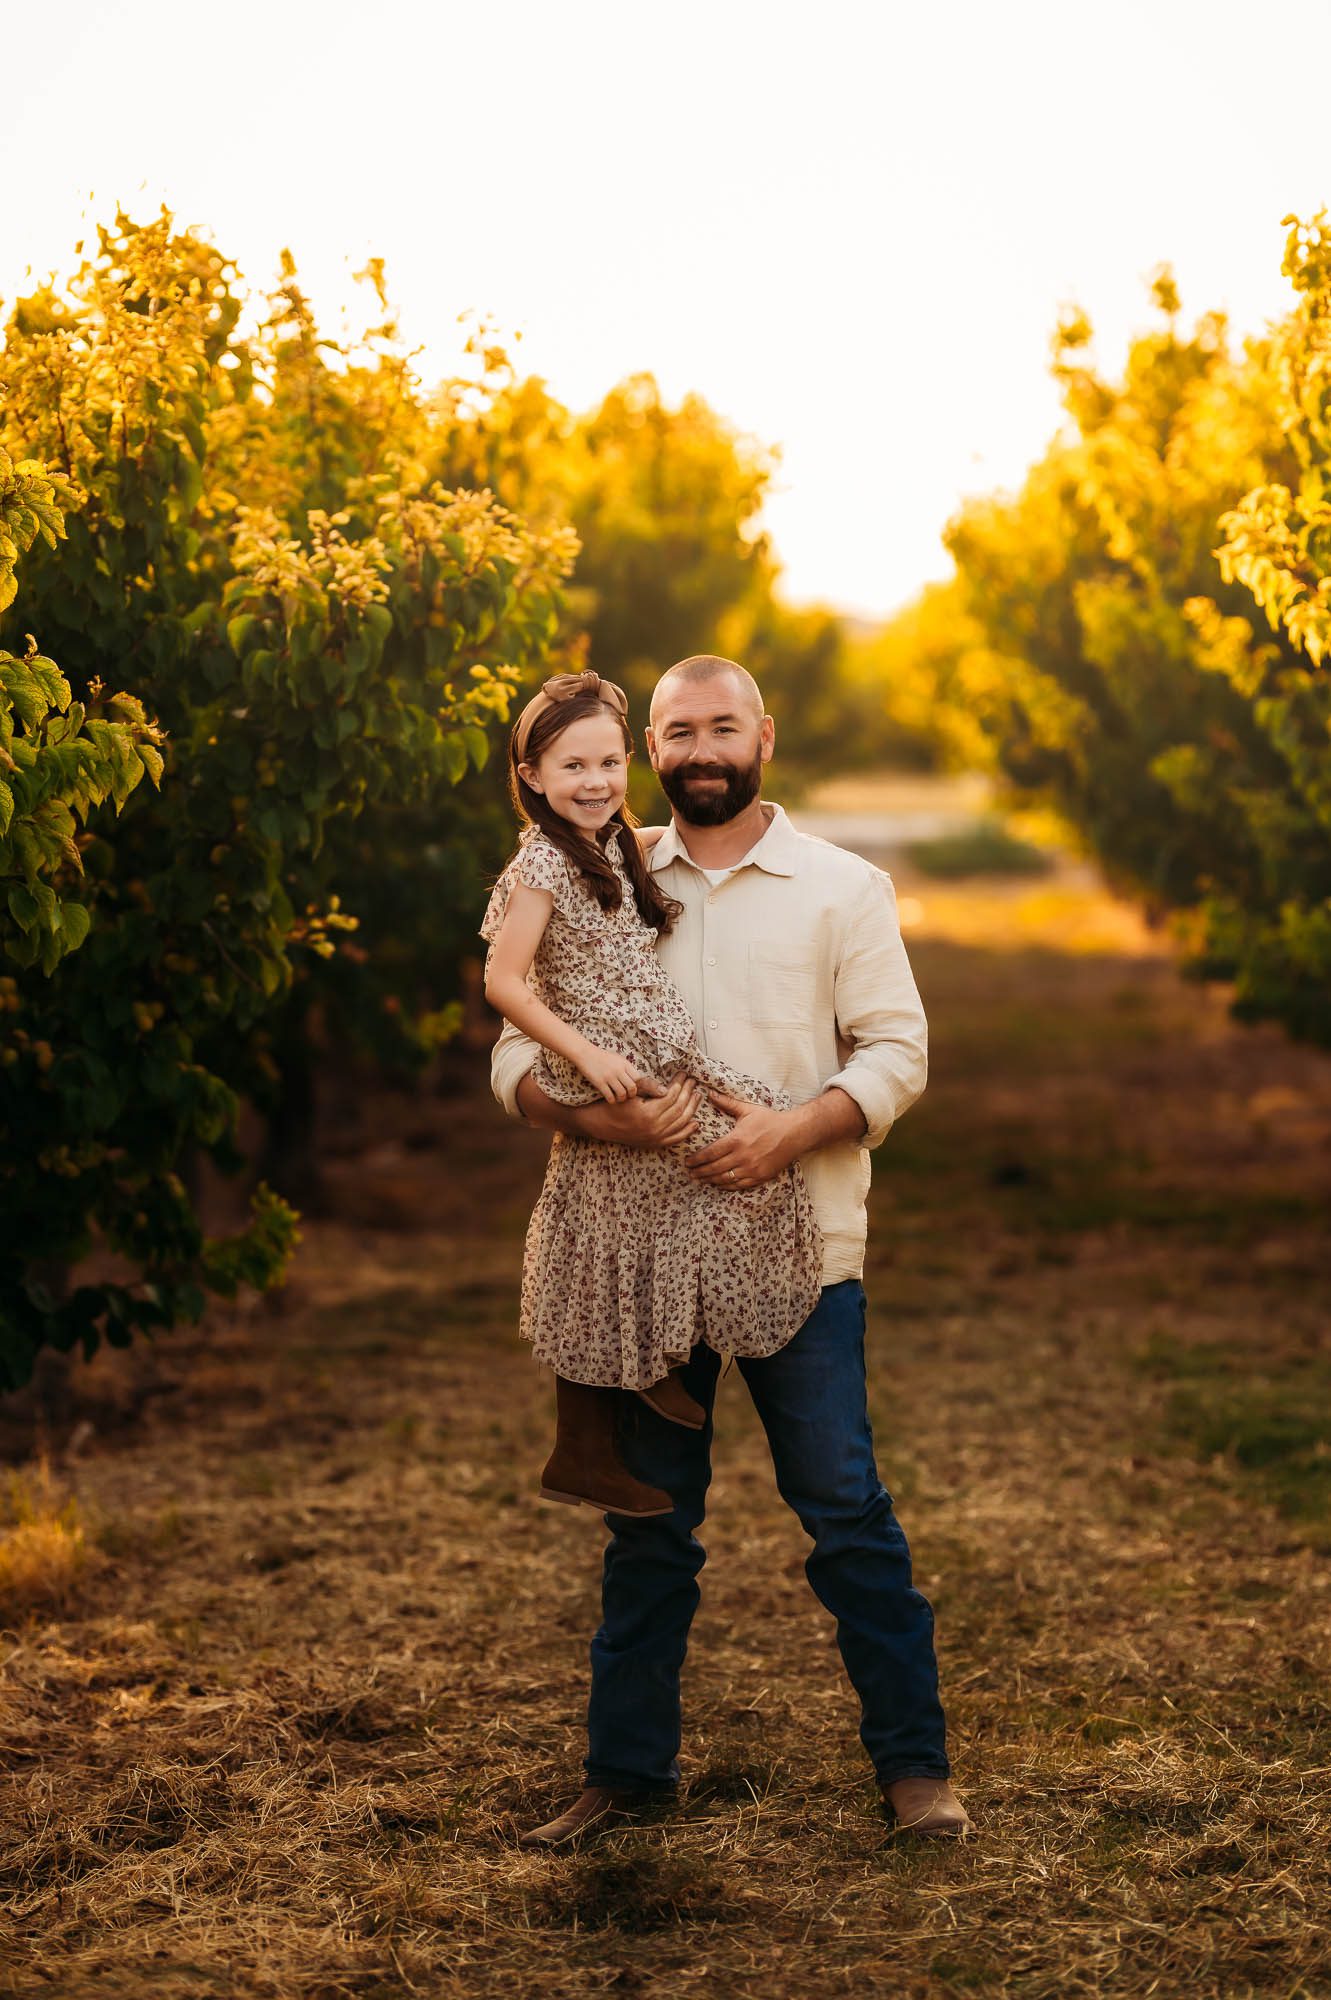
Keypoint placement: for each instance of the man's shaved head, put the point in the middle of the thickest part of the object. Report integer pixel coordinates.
(706, 667)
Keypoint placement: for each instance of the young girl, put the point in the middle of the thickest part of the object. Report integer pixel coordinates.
(628, 1261)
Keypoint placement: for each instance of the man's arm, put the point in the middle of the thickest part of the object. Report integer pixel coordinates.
(879, 1013)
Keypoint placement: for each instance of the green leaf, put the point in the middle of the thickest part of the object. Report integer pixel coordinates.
(455, 756)
(24, 950)
(238, 631)
(23, 907)
(51, 681)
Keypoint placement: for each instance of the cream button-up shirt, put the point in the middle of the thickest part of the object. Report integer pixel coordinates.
(794, 971)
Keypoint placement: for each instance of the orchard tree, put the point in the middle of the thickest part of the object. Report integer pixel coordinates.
(58, 762)
(300, 675)
(920, 685)
(1277, 542)
(348, 425)
(1081, 585)
(1128, 676)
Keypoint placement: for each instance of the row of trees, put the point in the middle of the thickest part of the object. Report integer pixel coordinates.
(267, 601)
(1139, 635)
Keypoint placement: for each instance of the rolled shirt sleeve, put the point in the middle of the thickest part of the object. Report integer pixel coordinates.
(879, 1013)
(510, 1060)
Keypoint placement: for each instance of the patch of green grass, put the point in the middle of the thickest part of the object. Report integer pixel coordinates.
(374, 1324)
(1078, 1195)
(253, 1475)
(965, 1971)
(1267, 1417)
(1066, 1184)
(986, 848)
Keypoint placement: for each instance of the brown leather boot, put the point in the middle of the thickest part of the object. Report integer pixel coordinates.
(927, 1805)
(671, 1400)
(585, 1464)
(596, 1807)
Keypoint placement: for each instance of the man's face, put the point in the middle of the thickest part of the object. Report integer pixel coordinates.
(708, 748)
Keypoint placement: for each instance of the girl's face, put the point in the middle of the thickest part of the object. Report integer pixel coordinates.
(583, 773)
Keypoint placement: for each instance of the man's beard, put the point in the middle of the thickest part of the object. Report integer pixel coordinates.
(712, 805)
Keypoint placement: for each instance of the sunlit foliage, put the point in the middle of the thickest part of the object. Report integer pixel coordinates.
(1123, 671)
(322, 632)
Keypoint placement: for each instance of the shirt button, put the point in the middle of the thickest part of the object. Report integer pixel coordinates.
(710, 961)
(711, 1024)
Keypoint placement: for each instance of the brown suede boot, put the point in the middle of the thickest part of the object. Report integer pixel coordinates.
(670, 1399)
(585, 1464)
(927, 1805)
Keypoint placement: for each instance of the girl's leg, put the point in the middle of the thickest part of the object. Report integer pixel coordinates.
(585, 1464)
(671, 1400)
(670, 1397)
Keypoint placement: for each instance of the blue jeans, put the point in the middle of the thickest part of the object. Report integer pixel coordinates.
(812, 1402)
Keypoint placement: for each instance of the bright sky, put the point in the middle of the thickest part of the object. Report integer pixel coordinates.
(850, 225)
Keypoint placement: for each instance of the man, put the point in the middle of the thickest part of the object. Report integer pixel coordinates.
(789, 955)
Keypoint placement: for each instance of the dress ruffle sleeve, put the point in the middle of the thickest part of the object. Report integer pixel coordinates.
(538, 864)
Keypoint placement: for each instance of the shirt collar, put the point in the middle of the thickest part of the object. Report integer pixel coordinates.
(775, 852)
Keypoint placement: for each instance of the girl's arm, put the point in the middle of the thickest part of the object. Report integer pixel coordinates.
(525, 917)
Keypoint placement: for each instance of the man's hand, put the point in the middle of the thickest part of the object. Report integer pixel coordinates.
(653, 1122)
(760, 1145)
(657, 1118)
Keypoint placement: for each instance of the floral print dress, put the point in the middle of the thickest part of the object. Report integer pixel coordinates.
(629, 1262)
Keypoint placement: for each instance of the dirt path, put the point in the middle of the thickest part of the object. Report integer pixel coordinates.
(330, 1651)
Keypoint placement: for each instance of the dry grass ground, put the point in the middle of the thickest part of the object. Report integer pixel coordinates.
(313, 1651)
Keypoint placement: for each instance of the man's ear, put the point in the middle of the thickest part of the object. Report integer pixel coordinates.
(529, 776)
(650, 735)
(767, 738)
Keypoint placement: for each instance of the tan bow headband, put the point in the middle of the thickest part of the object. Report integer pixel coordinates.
(564, 687)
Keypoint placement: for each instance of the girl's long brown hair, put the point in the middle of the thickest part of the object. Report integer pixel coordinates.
(589, 859)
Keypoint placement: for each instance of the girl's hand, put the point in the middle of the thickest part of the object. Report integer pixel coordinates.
(614, 1076)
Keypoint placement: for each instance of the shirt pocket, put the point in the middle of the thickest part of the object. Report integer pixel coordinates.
(783, 985)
